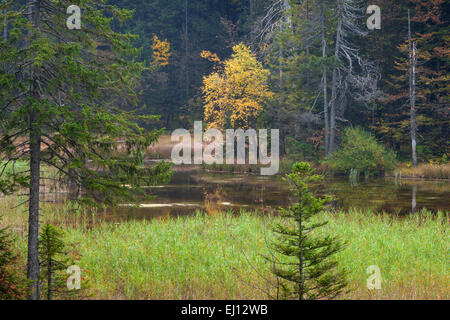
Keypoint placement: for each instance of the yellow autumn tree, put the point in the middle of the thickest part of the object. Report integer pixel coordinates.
(234, 94)
(161, 51)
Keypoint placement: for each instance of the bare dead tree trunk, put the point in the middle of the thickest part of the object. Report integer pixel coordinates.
(284, 8)
(35, 165)
(346, 58)
(308, 27)
(186, 39)
(334, 91)
(280, 62)
(325, 84)
(412, 92)
(308, 53)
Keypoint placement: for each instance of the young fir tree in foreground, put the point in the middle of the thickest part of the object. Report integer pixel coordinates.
(53, 260)
(59, 92)
(305, 264)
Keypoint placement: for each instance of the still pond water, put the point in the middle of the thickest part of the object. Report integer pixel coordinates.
(194, 190)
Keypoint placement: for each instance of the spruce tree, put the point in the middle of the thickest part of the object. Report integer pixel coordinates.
(52, 259)
(304, 260)
(59, 92)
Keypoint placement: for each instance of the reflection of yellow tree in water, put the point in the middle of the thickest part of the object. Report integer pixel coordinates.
(213, 201)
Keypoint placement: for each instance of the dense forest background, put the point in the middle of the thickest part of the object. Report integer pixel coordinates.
(294, 55)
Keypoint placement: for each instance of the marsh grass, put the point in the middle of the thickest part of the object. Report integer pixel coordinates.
(425, 171)
(15, 214)
(221, 256)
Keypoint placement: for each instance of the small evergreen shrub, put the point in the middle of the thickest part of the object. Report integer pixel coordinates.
(55, 257)
(304, 261)
(53, 260)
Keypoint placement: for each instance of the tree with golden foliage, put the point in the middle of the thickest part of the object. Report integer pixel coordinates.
(234, 94)
(161, 51)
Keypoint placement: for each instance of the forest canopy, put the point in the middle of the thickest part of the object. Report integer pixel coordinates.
(306, 45)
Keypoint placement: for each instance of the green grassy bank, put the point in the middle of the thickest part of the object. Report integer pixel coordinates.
(220, 257)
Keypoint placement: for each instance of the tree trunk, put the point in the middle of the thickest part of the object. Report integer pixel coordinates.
(325, 84)
(33, 222)
(412, 92)
(186, 39)
(308, 73)
(301, 262)
(35, 164)
(334, 90)
(281, 87)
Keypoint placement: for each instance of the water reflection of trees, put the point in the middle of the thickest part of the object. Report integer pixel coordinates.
(390, 195)
(364, 195)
